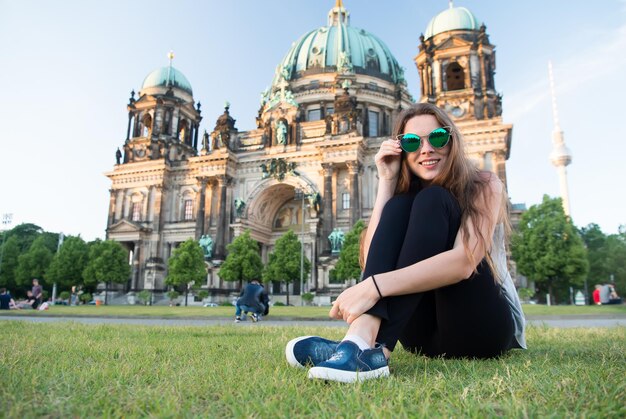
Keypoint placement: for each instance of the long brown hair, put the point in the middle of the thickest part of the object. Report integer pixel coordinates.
(459, 175)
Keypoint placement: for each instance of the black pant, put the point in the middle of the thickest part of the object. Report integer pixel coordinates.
(467, 319)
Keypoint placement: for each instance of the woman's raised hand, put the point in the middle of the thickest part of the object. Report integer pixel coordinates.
(388, 159)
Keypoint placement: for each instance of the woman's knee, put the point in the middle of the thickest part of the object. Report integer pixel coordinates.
(398, 207)
(436, 198)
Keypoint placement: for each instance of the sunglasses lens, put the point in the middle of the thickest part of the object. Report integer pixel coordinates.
(410, 142)
(439, 137)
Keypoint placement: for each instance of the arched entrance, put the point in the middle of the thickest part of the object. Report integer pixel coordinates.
(273, 209)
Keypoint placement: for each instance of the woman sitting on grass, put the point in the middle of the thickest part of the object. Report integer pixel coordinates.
(435, 276)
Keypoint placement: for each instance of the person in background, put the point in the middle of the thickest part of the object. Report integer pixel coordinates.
(254, 300)
(29, 302)
(37, 291)
(6, 301)
(596, 294)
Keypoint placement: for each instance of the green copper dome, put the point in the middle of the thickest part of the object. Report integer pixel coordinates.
(167, 76)
(325, 49)
(454, 18)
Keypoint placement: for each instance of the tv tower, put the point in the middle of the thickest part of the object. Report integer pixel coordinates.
(560, 156)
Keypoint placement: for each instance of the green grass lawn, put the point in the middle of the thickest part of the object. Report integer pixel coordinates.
(295, 312)
(75, 370)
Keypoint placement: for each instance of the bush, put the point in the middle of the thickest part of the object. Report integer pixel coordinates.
(172, 295)
(525, 294)
(144, 297)
(65, 295)
(203, 294)
(226, 304)
(307, 297)
(85, 297)
(279, 304)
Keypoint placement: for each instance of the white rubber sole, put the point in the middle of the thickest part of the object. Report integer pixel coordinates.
(291, 359)
(332, 374)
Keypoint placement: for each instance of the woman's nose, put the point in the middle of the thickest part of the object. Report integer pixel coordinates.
(426, 147)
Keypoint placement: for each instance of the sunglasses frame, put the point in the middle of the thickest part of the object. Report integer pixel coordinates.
(421, 139)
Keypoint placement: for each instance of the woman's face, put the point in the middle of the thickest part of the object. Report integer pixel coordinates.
(427, 162)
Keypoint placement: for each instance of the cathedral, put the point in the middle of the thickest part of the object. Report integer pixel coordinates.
(309, 164)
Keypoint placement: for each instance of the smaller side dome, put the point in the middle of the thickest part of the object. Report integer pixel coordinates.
(165, 76)
(454, 18)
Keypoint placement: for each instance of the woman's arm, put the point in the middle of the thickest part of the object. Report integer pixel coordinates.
(388, 165)
(446, 268)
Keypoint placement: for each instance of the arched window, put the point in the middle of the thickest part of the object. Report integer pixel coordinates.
(455, 77)
(188, 209)
(182, 131)
(136, 206)
(146, 125)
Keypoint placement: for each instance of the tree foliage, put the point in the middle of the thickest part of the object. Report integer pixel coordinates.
(348, 266)
(243, 262)
(35, 262)
(25, 234)
(284, 261)
(549, 250)
(186, 264)
(69, 263)
(10, 254)
(606, 255)
(108, 262)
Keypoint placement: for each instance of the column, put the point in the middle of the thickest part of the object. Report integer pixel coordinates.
(195, 136)
(111, 219)
(202, 181)
(355, 205)
(437, 76)
(130, 119)
(159, 216)
(135, 268)
(222, 221)
(328, 221)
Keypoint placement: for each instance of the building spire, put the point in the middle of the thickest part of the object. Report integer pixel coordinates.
(560, 156)
(170, 56)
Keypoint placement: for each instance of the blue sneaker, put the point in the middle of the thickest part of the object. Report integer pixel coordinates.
(309, 350)
(349, 364)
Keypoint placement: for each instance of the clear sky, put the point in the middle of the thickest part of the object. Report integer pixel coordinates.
(68, 67)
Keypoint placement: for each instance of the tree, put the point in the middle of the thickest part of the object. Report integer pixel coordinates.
(25, 235)
(107, 262)
(186, 265)
(243, 262)
(606, 255)
(549, 250)
(284, 261)
(69, 263)
(10, 253)
(348, 266)
(35, 262)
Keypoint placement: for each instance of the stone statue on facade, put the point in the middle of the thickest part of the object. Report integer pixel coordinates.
(344, 63)
(240, 205)
(118, 156)
(281, 132)
(336, 239)
(205, 142)
(206, 242)
(314, 201)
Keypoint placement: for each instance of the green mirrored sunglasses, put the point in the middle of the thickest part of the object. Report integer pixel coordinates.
(438, 138)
